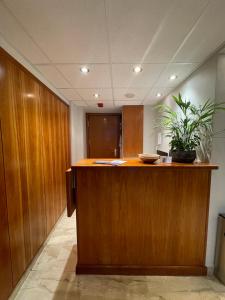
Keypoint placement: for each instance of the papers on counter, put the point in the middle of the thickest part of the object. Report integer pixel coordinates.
(115, 162)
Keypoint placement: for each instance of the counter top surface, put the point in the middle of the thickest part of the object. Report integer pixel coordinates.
(137, 163)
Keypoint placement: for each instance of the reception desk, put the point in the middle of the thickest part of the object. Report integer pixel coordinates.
(141, 219)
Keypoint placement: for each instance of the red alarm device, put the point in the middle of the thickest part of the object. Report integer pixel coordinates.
(100, 104)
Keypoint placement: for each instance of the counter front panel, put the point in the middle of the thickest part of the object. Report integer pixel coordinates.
(141, 220)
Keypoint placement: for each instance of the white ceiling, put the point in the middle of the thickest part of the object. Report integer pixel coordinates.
(110, 37)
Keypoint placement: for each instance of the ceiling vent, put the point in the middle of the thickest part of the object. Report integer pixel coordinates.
(129, 95)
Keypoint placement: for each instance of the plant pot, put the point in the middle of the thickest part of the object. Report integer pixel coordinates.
(183, 156)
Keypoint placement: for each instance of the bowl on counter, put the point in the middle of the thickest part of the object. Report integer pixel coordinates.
(148, 158)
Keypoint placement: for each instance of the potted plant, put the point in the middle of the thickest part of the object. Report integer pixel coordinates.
(189, 127)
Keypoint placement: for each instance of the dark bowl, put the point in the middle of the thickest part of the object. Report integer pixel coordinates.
(183, 156)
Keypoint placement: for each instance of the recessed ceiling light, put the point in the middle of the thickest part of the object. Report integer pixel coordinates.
(158, 95)
(96, 95)
(173, 77)
(137, 69)
(84, 70)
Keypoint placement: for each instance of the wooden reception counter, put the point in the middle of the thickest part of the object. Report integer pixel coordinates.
(140, 218)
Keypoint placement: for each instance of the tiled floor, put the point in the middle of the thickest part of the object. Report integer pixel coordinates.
(53, 277)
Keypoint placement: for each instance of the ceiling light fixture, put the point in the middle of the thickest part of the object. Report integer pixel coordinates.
(137, 69)
(158, 95)
(96, 95)
(173, 77)
(84, 70)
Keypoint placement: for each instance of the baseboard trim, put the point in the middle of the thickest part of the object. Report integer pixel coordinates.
(142, 270)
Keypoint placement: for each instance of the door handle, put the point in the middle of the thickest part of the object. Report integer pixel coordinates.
(115, 152)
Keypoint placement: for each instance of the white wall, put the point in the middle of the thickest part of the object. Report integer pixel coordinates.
(198, 88)
(78, 133)
(217, 204)
(149, 130)
(208, 82)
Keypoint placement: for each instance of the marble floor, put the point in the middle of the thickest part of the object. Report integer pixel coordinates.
(52, 277)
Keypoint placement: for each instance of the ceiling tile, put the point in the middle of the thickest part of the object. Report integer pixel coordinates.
(180, 70)
(79, 103)
(70, 94)
(132, 25)
(16, 36)
(169, 35)
(151, 32)
(88, 94)
(222, 51)
(68, 31)
(127, 102)
(98, 77)
(53, 75)
(138, 94)
(152, 98)
(123, 75)
(146, 30)
(206, 36)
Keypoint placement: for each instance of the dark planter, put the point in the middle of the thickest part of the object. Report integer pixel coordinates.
(183, 156)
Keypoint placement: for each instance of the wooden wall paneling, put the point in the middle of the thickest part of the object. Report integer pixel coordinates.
(47, 103)
(56, 151)
(132, 130)
(6, 283)
(66, 152)
(61, 140)
(67, 133)
(46, 115)
(13, 146)
(63, 146)
(20, 126)
(54, 162)
(58, 157)
(67, 140)
(64, 156)
(35, 147)
(34, 167)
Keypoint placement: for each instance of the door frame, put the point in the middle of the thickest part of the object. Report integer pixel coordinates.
(101, 114)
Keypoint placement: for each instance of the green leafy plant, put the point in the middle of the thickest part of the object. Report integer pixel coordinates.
(189, 124)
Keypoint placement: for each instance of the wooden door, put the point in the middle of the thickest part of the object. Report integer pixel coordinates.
(132, 130)
(103, 135)
(5, 256)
